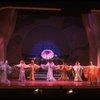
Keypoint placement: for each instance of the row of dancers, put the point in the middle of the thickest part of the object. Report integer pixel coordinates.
(91, 72)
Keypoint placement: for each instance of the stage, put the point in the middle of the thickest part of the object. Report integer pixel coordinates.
(50, 85)
(49, 90)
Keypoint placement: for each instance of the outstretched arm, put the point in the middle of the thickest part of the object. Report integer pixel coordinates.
(27, 66)
(69, 67)
(17, 65)
(9, 69)
(43, 66)
(37, 66)
(58, 67)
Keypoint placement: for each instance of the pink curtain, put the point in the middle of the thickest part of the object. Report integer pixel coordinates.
(7, 25)
(91, 23)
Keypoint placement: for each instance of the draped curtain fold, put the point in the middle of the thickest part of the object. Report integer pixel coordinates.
(91, 22)
(7, 23)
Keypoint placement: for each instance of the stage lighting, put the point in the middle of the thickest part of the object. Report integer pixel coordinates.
(36, 91)
(70, 91)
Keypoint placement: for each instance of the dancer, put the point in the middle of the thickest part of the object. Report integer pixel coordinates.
(5, 69)
(78, 71)
(64, 68)
(33, 67)
(49, 66)
(91, 73)
(22, 67)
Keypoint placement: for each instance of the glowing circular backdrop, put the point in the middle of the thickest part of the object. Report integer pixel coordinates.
(47, 54)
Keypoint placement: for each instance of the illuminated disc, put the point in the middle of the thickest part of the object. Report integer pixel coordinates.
(47, 54)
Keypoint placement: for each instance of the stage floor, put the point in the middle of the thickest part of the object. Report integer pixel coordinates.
(50, 84)
(41, 89)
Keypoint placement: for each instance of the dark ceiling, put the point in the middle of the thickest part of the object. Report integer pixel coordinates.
(68, 7)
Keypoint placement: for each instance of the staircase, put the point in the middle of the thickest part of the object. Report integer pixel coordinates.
(39, 74)
(42, 75)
